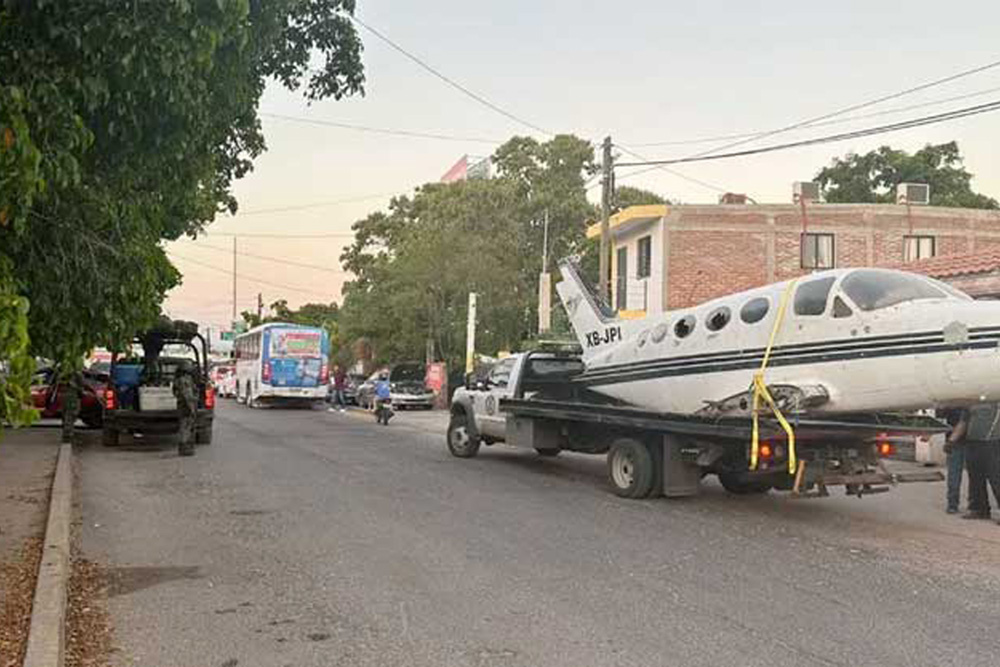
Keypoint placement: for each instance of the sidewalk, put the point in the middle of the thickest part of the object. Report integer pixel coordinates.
(27, 462)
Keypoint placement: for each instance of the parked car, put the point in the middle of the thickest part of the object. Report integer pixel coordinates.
(48, 398)
(351, 384)
(408, 387)
(224, 380)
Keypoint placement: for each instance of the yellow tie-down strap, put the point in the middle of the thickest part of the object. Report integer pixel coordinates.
(760, 391)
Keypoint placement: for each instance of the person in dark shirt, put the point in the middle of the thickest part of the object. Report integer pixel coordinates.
(980, 427)
(955, 450)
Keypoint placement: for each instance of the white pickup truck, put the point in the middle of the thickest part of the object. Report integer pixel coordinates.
(476, 418)
(530, 400)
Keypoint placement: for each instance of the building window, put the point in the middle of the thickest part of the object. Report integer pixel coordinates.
(621, 285)
(817, 251)
(644, 269)
(918, 247)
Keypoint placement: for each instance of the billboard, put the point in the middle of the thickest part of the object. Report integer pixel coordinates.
(457, 172)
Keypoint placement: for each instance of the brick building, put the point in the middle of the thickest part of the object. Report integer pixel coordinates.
(675, 256)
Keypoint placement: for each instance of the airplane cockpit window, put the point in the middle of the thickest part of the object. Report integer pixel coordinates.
(871, 289)
(718, 318)
(811, 296)
(754, 310)
(660, 332)
(841, 309)
(952, 291)
(684, 326)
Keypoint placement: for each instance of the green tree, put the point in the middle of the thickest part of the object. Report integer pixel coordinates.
(416, 263)
(873, 177)
(627, 195)
(125, 124)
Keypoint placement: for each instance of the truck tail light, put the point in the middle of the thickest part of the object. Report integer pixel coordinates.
(110, 400)
(265, 373)
(209, 398)
(885, 449)
(766, 451)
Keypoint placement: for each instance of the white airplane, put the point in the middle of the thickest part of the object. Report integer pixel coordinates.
(846, 341)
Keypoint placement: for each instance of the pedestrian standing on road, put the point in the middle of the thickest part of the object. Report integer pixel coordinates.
(187, 408)
(72, 393)
(339, 386)
(954, 448)
(981, 426)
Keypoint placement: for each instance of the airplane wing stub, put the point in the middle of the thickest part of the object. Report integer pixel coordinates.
(791, 399)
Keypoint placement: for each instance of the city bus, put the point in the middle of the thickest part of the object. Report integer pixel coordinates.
(279, 362)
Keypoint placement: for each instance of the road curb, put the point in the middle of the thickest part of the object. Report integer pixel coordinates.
(47, 633)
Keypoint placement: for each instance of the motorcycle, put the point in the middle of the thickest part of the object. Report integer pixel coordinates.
(383, 412)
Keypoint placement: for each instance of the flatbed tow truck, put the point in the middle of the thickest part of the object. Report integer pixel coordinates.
(530, 401)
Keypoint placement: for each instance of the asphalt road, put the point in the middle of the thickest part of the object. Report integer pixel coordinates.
(307, 538)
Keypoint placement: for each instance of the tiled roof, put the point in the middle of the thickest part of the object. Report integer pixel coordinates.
(946, 266)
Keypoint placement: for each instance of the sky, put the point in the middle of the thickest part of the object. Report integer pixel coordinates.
(642, 71)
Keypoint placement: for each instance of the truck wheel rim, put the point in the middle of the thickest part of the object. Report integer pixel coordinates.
(459, 437)
(623, 470)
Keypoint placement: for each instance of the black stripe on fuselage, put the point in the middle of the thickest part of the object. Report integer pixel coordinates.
(914, 344)
(835, 345)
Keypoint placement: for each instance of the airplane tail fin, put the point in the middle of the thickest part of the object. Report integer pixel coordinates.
(591, 318)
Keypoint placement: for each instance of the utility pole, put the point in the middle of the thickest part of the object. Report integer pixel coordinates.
(260, 306)
(545, 283)
(234, 279)
(607, 192)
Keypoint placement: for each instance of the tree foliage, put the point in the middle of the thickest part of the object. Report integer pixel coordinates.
(416, 263)
(873, 177)
(125, 124)
(627, 195)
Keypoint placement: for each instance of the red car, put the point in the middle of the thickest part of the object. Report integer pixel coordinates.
(48, 400)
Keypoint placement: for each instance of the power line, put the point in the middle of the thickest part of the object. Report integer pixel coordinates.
(267, 258)
(893, 127)
(302, 207)
(673, 172)
(382, 130)
(855, 107)
(836, 121)
(244, 277)
(451, 82)
(267, 235)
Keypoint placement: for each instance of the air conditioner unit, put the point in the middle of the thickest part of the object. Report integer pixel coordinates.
(916, 194)
(805, 190)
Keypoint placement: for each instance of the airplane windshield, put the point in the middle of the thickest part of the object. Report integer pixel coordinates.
(872, 289)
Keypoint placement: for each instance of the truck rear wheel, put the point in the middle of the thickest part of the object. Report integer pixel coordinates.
(203, 436)
(739, 485)
(109, 437)
(631, 468)
(461, 442)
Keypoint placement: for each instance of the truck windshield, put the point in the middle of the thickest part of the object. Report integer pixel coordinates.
(872, 289)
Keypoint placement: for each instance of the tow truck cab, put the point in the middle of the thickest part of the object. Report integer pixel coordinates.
(139, 397)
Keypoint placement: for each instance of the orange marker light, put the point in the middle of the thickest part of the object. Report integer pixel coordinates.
(885, 449)
(766, 453)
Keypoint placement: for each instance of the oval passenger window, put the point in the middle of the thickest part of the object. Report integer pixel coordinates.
(660, 332)
(684, 326)
(718, 318)
(754, 310)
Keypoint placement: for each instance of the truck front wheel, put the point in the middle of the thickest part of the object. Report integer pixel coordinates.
(631, 468)
(461, 442)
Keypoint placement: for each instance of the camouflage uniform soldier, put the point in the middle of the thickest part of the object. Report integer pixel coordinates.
(72, 391)
(187, 407)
